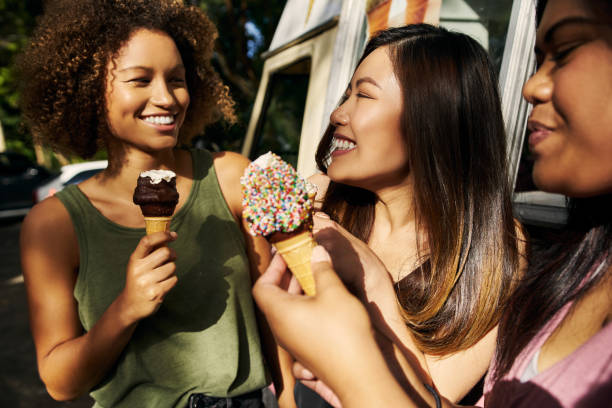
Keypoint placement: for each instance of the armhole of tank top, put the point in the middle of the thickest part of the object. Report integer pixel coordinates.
(240, 240)
(72, 199)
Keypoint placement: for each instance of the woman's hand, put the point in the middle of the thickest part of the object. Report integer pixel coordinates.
(150, 276)
(303, 325)
(307, 378)
(327, 343)
(366, 275)
(359, 267)
(330, 334)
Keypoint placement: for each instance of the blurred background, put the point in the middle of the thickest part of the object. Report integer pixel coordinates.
(29, 173)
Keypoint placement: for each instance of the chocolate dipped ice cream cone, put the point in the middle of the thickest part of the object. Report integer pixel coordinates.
(157, 197)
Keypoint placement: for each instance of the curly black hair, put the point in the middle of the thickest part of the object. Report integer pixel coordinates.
(63, 70)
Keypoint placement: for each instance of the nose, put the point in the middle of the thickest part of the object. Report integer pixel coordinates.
(539, 88)
(339, 117)
(162, 95)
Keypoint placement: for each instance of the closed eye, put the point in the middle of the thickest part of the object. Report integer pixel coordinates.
(560, 56)
(139, 80)
(177, 80)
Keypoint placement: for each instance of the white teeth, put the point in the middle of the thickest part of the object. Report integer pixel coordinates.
(342, 144)
(160, 120)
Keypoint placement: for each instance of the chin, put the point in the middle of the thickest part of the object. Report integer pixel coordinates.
(576, 183)
(570, 188)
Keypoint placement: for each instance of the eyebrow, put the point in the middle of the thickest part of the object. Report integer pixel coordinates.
(567, 21)
(180, 66)
(367, 80)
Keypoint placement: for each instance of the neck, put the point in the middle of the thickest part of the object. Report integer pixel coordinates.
(124, 167)
(394, 210)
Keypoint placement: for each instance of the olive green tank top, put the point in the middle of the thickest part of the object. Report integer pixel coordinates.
(204, 337)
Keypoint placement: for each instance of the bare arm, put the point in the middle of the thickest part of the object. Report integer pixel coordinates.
(331, 334)
(230, 167)
(71, 362)
(367, 277)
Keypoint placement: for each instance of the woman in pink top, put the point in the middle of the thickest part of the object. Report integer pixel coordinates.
(555, 343)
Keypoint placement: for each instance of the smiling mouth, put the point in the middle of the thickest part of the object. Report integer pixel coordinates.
(537, 133)
(160, 120)
(342, 145)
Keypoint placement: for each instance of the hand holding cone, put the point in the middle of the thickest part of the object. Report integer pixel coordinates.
(296, 252)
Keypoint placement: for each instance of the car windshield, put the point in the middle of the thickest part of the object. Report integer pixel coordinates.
(82, 176)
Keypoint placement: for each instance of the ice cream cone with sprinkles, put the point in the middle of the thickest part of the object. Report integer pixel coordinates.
(278, 204)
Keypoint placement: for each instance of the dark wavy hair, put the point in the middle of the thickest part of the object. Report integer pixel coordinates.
(454, 132)
(63, 70)
(563, 265)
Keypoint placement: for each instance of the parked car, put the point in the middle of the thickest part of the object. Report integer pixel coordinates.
(70, 174)
(19, 176)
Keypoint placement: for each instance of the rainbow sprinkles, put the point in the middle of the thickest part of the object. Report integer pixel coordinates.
(274, 197)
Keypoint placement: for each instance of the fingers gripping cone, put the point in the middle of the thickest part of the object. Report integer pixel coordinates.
(157, 224)
(296, 251)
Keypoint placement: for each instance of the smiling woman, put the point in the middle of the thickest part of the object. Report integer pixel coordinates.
(159, 320)
(555, 332)
(415, 166)
(147, 92)
(572, 154)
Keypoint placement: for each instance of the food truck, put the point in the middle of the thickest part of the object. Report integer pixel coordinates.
(315, 50)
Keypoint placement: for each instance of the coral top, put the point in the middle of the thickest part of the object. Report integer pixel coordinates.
(582, 379)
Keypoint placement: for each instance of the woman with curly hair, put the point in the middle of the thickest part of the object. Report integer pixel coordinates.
(165, 319)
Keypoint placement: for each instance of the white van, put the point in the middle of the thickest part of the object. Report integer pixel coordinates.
(317, 44)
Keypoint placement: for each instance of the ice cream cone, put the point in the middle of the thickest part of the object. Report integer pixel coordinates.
(157, 224)
(296, 251)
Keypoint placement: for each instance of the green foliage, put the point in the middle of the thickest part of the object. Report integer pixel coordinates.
(238, 59)
(17, 18)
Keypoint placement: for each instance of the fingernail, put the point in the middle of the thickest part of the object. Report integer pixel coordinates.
(319, 254)
(322, 215)
(173, 234)
(307, 375)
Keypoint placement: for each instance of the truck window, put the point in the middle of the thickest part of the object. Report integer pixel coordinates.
(280, 124)
(484, 20)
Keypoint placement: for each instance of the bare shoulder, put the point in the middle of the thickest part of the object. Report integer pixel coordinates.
(47, 219)
(322, 182)
(230, 164)
(47, 232)
(229, 167)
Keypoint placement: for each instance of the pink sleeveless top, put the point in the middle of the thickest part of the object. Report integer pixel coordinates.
(582, 379)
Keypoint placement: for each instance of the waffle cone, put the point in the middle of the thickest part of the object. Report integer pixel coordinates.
(296, 251)
(157, 224)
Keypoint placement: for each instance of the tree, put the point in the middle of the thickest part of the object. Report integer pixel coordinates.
(245, 29)
(17, 18)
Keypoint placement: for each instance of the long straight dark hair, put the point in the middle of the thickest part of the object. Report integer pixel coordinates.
(563, 265)
(454, 132)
